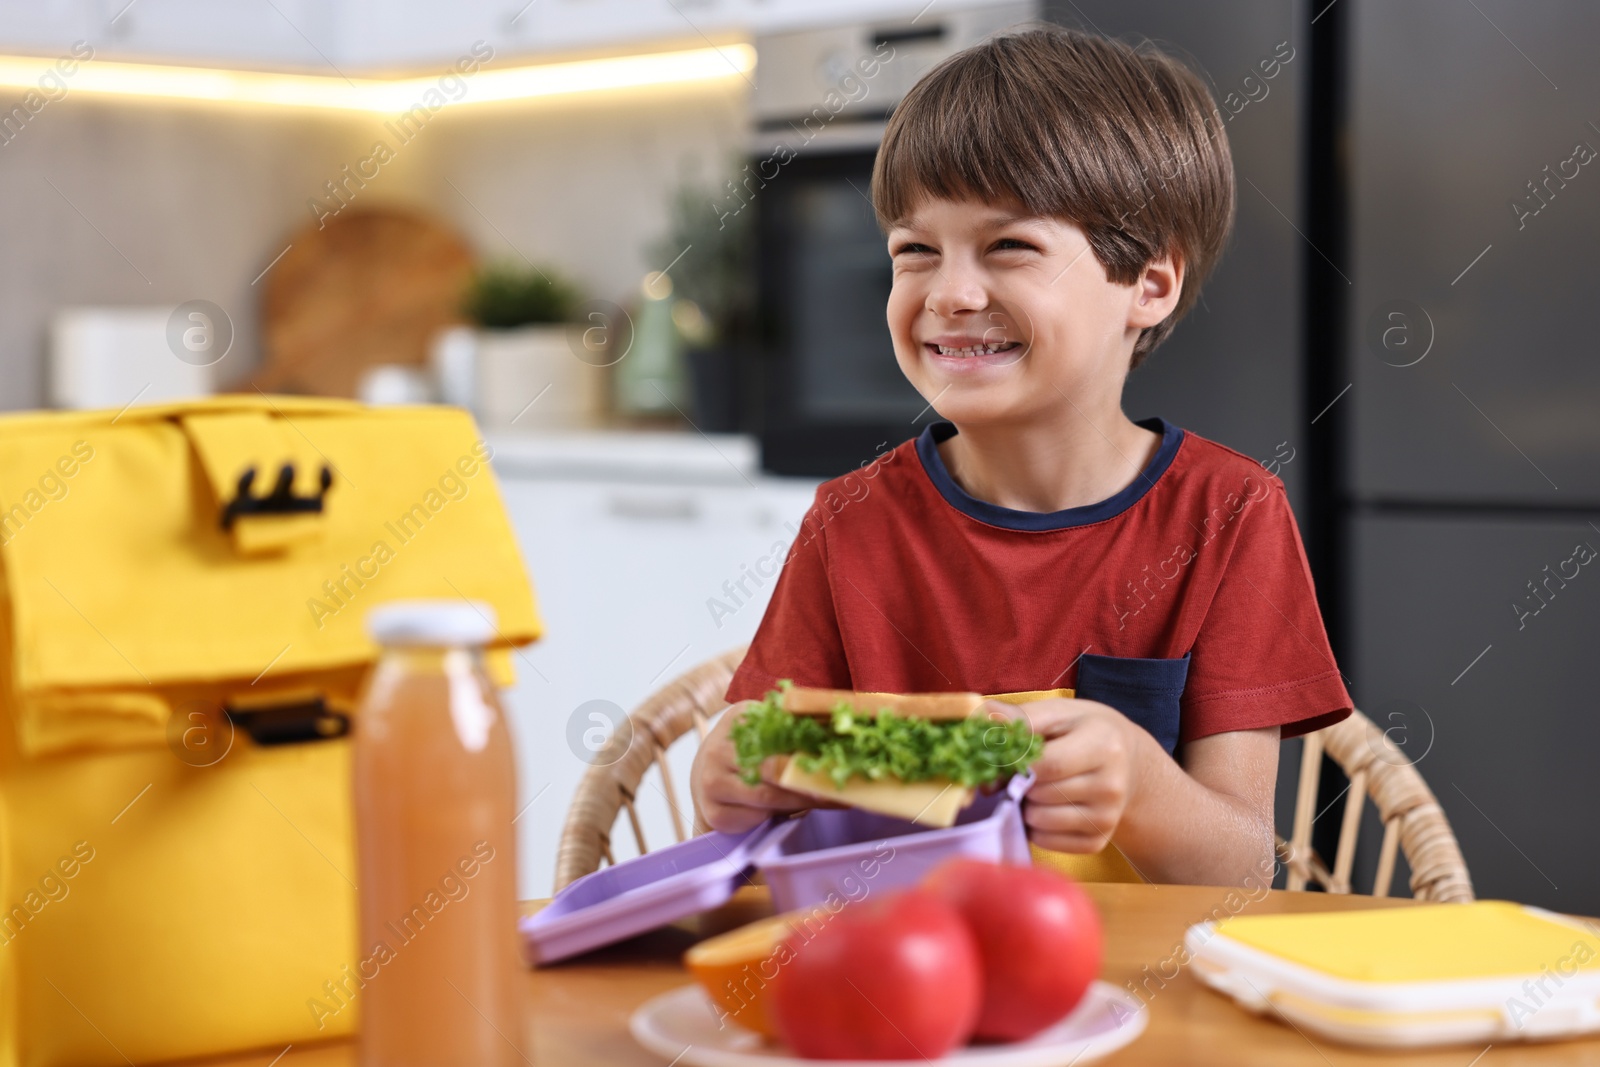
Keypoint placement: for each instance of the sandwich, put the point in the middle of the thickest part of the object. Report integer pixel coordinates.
(917, 756)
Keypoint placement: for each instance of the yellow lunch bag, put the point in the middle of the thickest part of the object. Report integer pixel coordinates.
(182, 591)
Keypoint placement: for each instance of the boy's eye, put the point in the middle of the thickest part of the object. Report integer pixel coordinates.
(912, 248)
(1006, 244)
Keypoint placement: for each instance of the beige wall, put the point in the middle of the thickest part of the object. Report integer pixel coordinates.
(199, 199)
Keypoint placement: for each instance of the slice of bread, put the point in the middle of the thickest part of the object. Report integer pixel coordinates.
(939, 707)
(935, 802)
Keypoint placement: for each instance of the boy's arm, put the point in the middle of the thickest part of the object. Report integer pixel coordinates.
(1105, 779)
(1209, 821)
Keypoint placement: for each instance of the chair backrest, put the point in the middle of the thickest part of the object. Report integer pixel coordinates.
(610, 787)
(1413, 821)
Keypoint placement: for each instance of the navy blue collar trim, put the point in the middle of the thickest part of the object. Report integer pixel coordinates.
(1012, 519)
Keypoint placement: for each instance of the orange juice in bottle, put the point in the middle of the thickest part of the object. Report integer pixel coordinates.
(435, 792)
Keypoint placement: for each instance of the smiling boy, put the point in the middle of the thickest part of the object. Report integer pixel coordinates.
(1053, 201)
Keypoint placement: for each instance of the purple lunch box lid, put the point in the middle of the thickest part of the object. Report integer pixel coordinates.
(640, 894)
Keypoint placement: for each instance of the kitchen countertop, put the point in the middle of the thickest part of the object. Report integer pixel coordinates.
(683, 457)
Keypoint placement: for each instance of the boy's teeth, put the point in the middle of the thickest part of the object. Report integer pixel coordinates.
(986, 349)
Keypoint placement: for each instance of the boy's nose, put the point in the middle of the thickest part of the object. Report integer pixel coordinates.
(957, 289)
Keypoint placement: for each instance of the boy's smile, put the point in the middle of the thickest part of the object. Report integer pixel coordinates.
(955, 356)
(999, 315)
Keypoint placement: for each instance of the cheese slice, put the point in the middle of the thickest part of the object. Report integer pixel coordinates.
(935, 802)
(938, 707)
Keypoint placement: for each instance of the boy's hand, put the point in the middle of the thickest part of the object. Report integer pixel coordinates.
(721, 797)
(1086, 776)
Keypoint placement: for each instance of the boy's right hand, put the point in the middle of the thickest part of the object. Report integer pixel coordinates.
(722, 800)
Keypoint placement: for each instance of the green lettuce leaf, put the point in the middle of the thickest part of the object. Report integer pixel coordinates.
(973, 751)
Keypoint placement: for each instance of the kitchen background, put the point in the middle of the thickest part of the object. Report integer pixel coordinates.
(210, 195)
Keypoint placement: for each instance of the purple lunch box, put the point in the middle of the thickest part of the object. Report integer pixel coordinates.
(841, 854)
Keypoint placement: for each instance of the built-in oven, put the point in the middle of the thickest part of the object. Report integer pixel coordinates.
(826, 388)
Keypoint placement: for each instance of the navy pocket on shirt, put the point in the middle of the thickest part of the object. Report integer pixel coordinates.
(1145, 690)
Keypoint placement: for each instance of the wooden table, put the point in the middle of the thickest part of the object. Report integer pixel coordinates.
(578, 1011)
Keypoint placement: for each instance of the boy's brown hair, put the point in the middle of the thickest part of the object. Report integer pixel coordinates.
(1125, 142)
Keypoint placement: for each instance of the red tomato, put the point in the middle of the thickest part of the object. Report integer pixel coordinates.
(890, 978)
(1039, 938)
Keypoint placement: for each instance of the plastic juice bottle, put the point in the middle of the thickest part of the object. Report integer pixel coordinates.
(435, 791)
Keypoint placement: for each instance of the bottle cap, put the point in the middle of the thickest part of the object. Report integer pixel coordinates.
(432, 622)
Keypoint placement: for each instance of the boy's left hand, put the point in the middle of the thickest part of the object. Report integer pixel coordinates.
(1086, 777)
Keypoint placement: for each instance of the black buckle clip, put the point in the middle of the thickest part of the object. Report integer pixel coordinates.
(281, 501)
(286, 724)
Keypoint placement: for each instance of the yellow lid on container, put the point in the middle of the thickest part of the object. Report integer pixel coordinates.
(1409, 976)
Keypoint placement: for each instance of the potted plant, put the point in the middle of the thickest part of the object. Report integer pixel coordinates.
(712, 297)
(524, 373)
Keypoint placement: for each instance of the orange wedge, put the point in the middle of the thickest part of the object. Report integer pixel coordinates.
(737, 968)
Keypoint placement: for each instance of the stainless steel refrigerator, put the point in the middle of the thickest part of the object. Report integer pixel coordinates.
(1474, 465)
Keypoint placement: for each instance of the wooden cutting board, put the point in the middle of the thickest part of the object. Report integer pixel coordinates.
(368, 286)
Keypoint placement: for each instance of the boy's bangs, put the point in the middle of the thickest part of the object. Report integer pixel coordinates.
(951, 152)
(952, 163)
(954, 146)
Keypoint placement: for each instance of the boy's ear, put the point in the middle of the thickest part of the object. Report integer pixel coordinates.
(1156, 292)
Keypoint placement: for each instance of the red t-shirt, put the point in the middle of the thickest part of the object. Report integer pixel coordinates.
(1184, 601)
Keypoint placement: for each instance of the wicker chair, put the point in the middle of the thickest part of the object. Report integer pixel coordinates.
(1413, 821)
(610, 786)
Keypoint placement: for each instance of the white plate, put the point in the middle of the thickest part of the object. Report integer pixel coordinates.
(681, 1026)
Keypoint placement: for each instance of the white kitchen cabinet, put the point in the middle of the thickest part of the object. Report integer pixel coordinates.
(627, 542)
(358, 37)
(297, 35)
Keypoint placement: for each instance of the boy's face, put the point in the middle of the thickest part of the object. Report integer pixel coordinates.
(999, 316)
